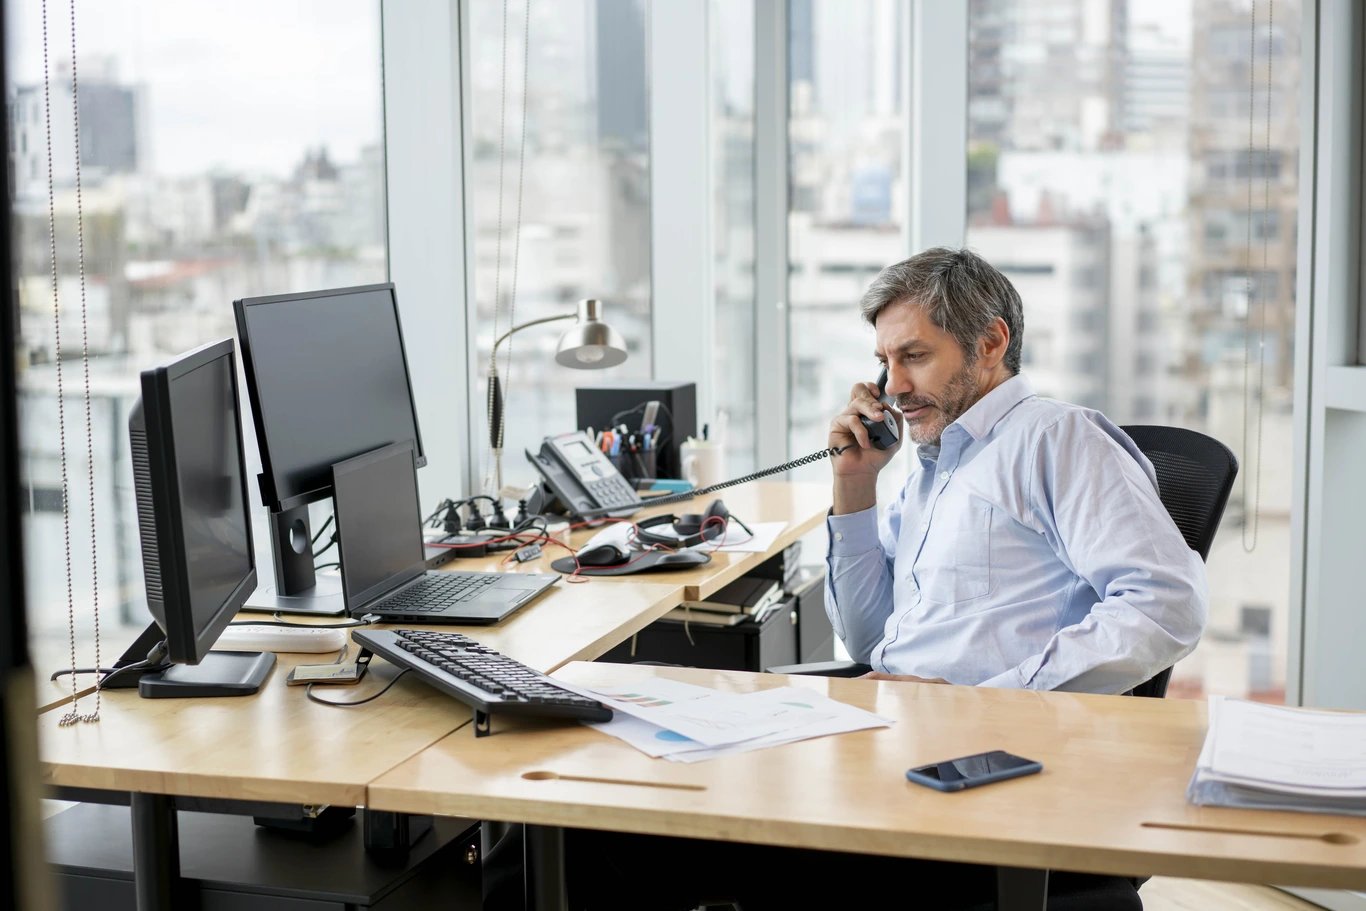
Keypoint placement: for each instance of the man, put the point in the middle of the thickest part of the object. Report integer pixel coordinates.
(1028, 547)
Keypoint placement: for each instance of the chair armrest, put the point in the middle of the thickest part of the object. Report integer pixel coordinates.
(823, 669)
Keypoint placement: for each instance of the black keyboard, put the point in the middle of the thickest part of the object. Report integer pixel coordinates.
(437, 591)
(485, 680)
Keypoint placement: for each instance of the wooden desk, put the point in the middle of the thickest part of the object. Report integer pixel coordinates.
(276, 746)
(1110, 764)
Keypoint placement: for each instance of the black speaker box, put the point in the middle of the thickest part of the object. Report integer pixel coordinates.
(625, 401)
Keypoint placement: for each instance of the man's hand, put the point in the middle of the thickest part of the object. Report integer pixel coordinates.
(906, 678)
(856, 468)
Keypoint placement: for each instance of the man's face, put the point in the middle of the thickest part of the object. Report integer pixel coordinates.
(932, 378)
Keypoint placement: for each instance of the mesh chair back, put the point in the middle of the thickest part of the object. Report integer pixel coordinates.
(1195, 476)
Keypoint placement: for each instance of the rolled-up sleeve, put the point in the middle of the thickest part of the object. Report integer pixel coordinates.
(858, 578)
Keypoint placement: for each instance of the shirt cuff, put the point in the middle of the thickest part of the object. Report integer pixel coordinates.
(853, 533)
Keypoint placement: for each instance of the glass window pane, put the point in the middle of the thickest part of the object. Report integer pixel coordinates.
(732, 42)
(1108, 178)
(847, 117)
(226, 151)
(584, 208)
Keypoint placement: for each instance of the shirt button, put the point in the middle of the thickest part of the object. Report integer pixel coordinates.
(839, 536)
(943, 475)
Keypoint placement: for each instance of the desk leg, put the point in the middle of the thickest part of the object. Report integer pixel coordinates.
(156, 851)
(1019, 889)
(545, 886)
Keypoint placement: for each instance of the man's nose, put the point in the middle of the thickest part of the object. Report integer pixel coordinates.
(898, 381)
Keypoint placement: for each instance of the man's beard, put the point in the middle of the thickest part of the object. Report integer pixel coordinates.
(961, 393)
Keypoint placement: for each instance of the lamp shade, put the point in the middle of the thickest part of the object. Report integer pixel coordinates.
(590, 344)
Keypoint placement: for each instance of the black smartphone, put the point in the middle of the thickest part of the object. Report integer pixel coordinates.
(971, 771)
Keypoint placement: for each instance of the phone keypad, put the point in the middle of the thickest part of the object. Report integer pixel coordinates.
(613, 490)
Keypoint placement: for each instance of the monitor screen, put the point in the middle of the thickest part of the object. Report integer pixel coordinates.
(213, 513)
(189, 480)
(328, 380)
(378, 523)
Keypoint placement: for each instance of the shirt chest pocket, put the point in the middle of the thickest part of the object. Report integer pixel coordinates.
(955, 563)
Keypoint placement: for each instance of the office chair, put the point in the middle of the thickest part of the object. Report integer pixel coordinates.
(1195, 475)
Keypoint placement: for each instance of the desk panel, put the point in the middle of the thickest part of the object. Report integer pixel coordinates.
(1110, 764)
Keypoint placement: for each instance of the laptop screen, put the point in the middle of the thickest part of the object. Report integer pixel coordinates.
(379, 523)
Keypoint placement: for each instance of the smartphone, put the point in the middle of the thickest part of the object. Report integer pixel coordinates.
(971, 771)
(348, 673)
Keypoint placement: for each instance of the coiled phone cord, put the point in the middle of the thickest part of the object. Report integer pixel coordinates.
(734, 482)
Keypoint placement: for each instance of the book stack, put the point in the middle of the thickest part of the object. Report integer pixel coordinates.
(744, 599)
(1279, 758)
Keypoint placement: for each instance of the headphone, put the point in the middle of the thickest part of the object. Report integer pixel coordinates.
(690, 529)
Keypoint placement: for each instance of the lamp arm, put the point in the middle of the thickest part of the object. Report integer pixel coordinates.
(495, 389)
(535, 322)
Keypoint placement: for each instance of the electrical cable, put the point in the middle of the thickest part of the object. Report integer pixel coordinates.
(324, 528)
(308, 691)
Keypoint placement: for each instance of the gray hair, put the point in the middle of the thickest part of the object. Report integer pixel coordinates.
(961, 293)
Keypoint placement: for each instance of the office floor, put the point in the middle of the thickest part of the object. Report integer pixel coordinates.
(1165, 894)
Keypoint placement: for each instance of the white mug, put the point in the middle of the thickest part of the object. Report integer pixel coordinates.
(701, 462)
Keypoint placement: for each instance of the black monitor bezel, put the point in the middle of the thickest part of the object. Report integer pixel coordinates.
(270, 494)
(184, 645)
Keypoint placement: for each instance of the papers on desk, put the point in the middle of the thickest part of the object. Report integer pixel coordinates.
(687, 723)
(1278, 758)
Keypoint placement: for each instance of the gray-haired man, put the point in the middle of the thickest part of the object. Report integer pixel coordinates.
(1028, 547)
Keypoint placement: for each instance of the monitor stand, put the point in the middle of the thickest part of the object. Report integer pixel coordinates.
(219, 674)
(297, 588)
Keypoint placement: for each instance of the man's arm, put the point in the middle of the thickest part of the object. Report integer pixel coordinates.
(858, 576)
(1100, 511)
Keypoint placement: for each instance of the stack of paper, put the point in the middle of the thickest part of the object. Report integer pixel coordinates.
(687, 723)
(1278, 758)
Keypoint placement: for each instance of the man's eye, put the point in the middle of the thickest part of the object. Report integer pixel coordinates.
(916, 356)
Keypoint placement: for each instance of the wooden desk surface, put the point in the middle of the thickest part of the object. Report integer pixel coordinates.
(801, 505)
(1110, 764)
(276, 745)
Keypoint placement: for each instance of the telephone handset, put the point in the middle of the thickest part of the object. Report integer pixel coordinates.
(582, 478)
(882, 434)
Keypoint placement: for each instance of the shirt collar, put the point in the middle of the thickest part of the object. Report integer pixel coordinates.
(987, 412)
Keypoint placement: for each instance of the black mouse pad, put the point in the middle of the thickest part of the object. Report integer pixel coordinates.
(640, 563)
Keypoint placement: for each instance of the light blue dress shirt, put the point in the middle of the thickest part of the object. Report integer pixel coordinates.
(1028, 550)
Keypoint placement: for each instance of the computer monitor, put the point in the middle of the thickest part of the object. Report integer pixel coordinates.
(189, 480)
(327, 375)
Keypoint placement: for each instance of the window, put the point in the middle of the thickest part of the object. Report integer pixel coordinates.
(732, 42)
(846, 121)
(196, 191)
(1155, 207)
(584, 206)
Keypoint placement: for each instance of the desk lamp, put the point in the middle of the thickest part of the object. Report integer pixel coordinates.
(589, 344)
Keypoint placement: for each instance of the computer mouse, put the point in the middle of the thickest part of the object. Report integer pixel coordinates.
(683, 558)
(603, 555)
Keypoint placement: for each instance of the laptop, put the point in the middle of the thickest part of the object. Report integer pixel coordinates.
(383, 565)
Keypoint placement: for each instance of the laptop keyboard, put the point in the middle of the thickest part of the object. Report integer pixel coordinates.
(438, 591)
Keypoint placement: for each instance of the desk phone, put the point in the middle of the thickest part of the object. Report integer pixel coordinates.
(581, 476)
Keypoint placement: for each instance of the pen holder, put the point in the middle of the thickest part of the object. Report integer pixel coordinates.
(635, 465)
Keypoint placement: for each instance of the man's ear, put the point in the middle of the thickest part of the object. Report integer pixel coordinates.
(991, 347)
